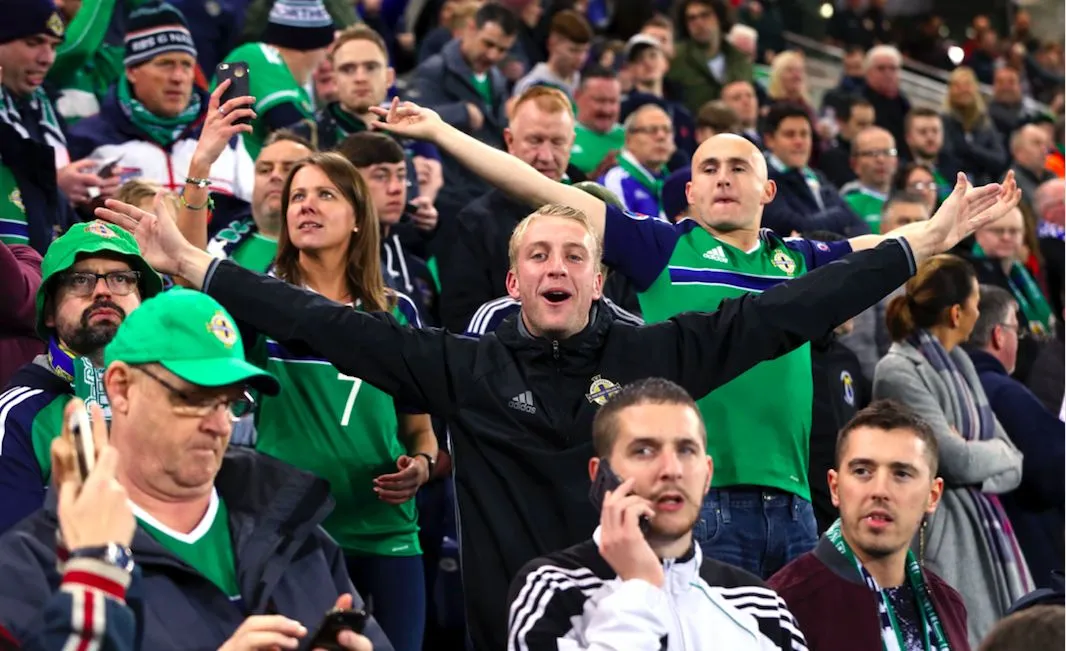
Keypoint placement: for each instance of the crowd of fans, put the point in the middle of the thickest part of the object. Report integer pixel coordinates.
(369, 333)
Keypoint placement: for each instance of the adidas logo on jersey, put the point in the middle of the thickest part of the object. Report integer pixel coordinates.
(716, 254)
(523, 402)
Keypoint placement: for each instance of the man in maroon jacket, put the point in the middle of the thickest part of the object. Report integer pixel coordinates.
(20, 276)
(884, 484)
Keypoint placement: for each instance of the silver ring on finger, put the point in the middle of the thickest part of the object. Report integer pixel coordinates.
(221, 110)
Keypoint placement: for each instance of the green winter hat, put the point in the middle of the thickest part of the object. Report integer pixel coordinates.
(192, 336)
(86, 239)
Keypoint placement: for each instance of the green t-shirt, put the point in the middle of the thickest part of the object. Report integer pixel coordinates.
(240, 241)
(866, 203)
(344, 431)
(759, 424)
(14, 229)
(483, 86)
(591, 147)
(271, 84)
(208, 548)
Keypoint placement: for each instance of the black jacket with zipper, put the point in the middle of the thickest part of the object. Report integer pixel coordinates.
(519, 409)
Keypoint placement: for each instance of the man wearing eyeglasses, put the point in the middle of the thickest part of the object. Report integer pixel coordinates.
(92, 278)
(874, 160)
(229, 545)
(638, 178)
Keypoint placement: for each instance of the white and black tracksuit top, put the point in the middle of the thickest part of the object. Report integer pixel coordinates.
(573, 600)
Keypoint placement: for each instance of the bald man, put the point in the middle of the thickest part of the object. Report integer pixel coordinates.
(1029, 147)
(1050, 207)
(638, 178)
(874, 159)
(758, 514)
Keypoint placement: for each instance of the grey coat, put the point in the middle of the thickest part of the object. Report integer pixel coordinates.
(956, 547)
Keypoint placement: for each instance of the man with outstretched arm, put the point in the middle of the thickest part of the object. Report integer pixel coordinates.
(520, 401)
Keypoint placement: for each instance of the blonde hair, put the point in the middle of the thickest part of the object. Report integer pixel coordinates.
(976, 113)
(776, 88)
(553, 210)
(135, 191)
(548, 99)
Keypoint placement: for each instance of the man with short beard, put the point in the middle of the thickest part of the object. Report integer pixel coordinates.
(91, 278)
(705, 61)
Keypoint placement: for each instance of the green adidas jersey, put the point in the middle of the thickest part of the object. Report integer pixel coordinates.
(208, 548)
(759, 424)
(866, 203)
(14, 229)
(591, 147)
(271, 84)
(344, 431)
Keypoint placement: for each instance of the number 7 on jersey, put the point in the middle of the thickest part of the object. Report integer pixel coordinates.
(356, 383)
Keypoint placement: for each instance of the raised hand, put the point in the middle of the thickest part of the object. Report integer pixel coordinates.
(162, 244)
(219, 125)
(968, 208)
(622, 543)
(408, 119)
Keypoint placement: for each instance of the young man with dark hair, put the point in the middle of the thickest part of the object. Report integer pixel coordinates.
(641, 581)
(885, 484)
(853, 115)
(569, 39)
(705, 61)
(463, 84)
(806, 200)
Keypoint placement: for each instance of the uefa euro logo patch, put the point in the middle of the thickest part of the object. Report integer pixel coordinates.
(99, 228)
(223, 329)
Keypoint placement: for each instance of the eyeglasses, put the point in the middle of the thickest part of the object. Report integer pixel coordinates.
(83, 283)
(199, 408)
(874, 153)
(921, 186)
(665, 129)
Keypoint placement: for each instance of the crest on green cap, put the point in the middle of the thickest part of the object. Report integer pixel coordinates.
(222, 327)
(84, 240)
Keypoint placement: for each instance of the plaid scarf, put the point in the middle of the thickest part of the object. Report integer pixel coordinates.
(977, 423)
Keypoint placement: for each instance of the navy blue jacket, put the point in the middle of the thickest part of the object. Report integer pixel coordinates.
(795, 209)
(1036, 507)
(286, 564)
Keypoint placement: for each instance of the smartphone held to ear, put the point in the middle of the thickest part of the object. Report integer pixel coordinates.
(239, 84)
(84, 446)
(333, 623)
(605, 480)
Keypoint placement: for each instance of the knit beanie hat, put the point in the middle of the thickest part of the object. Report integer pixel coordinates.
(156, 29)
(299, 25)
(24, 18)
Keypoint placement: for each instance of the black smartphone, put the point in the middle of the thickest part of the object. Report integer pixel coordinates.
(107, 169)
(84, 446)
(332, 624)
(240, 86)
(607, 480)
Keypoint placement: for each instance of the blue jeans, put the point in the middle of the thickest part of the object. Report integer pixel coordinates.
(756, 530)
(395, 589)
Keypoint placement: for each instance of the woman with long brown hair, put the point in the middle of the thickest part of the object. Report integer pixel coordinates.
(968, 541)
(374, 455)
(968, 130)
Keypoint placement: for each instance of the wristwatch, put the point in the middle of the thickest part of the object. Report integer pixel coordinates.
(114, 554)
(429, 460)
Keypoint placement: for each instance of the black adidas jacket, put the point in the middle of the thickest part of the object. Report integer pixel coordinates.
(521, 465)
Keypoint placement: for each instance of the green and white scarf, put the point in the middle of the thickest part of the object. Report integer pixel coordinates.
(44, 112)
(642, 176)
(1027, 293)
(164, 131)
(86, 380)
(891, 635)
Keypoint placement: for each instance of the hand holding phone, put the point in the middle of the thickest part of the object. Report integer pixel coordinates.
(623, 542)
(333, 624)
(606, 480)
(237, 73)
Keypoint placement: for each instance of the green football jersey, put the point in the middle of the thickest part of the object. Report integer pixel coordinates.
(271, 84)
(865, 202)
(483, 85)
(590, 147)
(245, 245)
(344, 431)
(208, 548)
(759, 424)
(14, 229)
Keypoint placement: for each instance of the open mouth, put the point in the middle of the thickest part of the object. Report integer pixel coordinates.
(309, 226)
(878, 519)
(556, 296)
(669, 502)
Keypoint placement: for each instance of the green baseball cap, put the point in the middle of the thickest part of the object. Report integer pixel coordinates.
(85, 239)
(190, 335)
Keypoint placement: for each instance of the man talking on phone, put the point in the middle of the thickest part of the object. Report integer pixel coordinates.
(641, 583)
(229, 546)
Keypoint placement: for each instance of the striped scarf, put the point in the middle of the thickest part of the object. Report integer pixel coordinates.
(45, 114)
(977, 423)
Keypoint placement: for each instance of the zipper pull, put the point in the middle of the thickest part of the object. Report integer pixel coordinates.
(555, 349)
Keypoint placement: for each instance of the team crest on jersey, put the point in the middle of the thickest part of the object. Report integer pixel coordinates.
(222, 327)
(99, 228)
(784, 263)
(849, 387)
(16, 199)
(601, 390)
